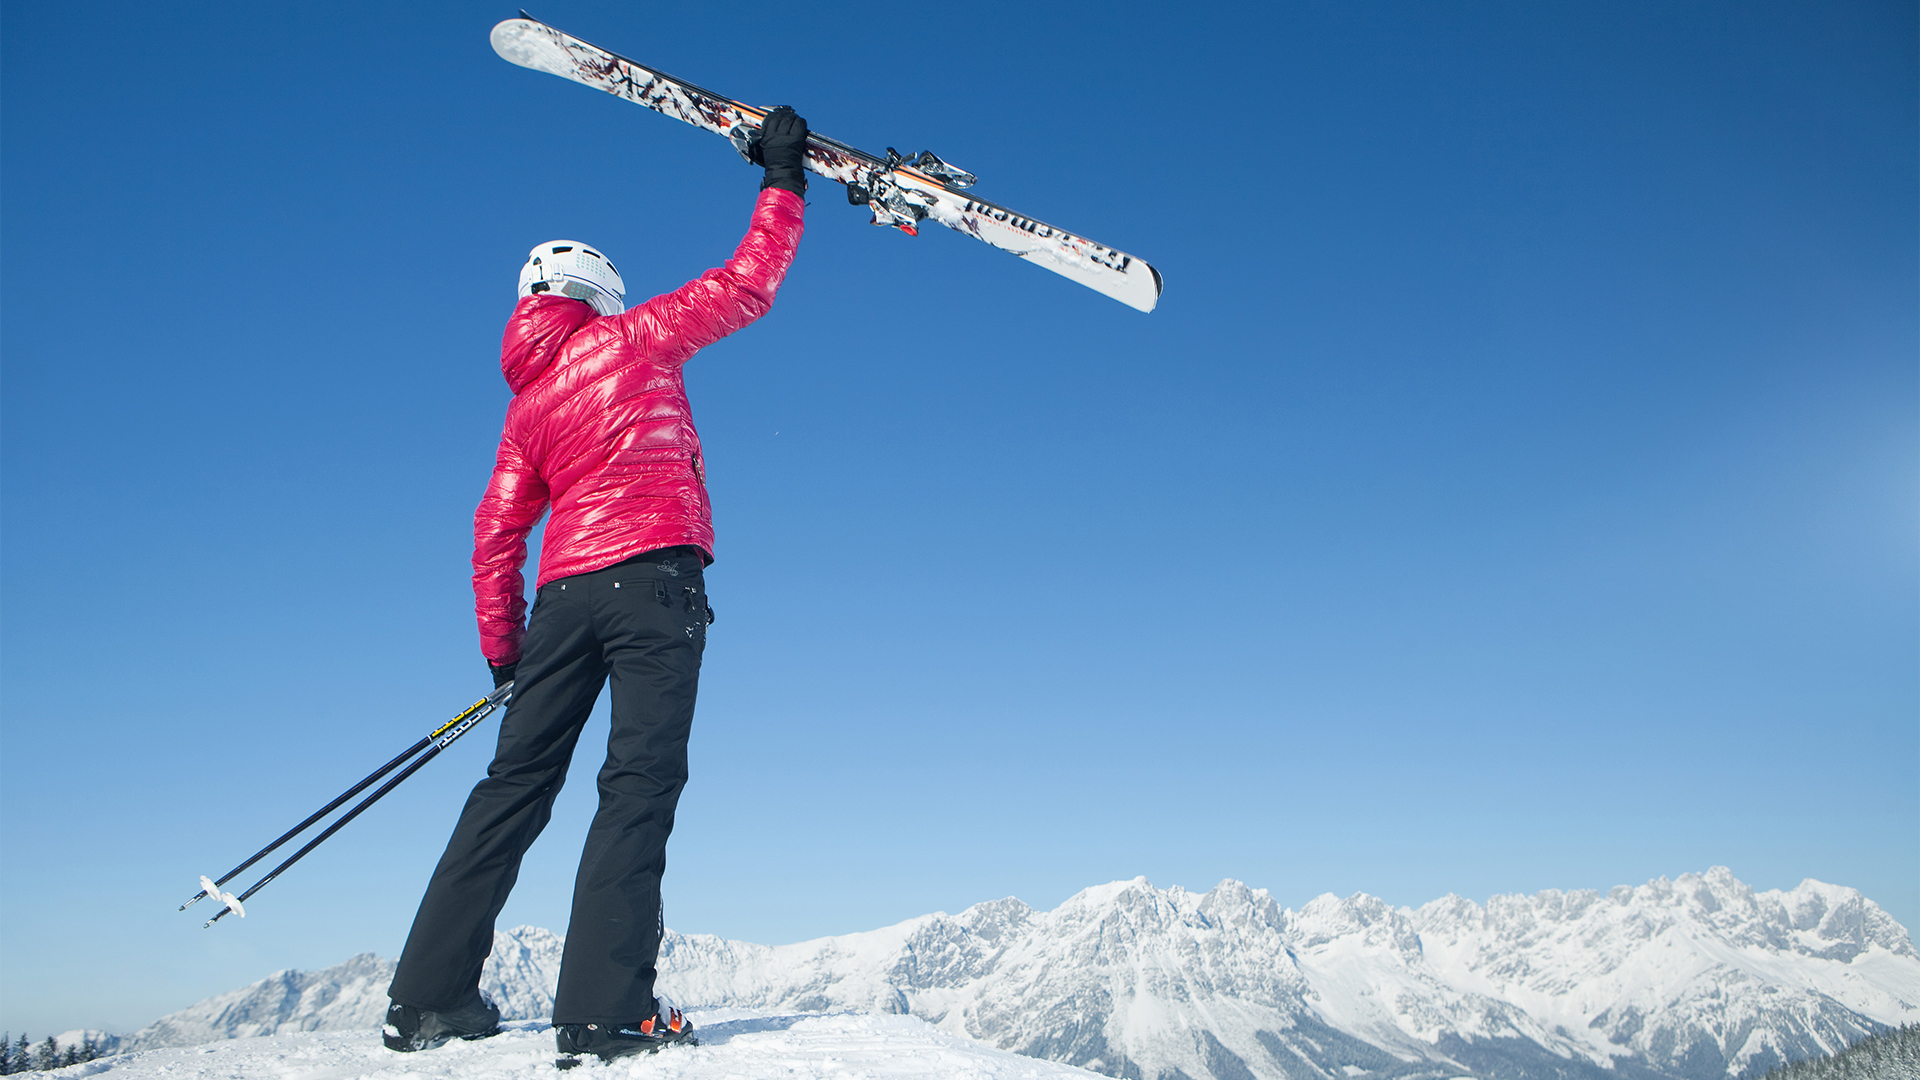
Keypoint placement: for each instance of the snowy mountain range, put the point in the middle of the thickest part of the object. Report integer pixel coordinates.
(1691, 979)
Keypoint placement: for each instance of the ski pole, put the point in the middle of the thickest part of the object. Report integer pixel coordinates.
(317, 815)
(439, 739)
(337, 803)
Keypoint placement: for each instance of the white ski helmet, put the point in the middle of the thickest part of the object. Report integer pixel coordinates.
(571, 268)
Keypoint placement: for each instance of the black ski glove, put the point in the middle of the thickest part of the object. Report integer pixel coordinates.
(502, 673)
(783, 150)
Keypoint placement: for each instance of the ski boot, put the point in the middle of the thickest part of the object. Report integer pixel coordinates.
(665, 1027)
(409, 1029)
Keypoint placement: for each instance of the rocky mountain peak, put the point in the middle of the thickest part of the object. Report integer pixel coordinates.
(1357, 919)
(1695, 978)
(1233, 904)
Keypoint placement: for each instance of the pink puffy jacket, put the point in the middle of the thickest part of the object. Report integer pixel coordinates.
(600, 427)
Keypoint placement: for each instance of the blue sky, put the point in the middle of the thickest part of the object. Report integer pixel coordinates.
(1514, 490)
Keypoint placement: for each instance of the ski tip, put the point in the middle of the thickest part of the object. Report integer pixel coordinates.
(1145, 302)
(530, 43)
(1139, 291)
(1133, 287)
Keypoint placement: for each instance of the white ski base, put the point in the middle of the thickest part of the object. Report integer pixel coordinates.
(735, 1043)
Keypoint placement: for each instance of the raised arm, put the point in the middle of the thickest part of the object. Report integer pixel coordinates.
(720, 301)
(676, 325)
(515, 499)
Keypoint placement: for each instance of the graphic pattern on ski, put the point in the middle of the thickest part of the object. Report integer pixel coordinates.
(900, 191)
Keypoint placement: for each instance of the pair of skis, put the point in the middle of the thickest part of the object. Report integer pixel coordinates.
(418, 754)
(901, 191)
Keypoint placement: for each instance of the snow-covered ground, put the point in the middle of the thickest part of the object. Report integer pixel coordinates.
(736, 1044)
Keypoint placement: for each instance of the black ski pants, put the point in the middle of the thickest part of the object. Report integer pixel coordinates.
(644, 623)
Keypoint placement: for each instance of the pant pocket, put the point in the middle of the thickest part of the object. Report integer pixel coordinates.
(646, 587)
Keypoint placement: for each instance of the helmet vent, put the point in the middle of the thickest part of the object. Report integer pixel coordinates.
(570, 268)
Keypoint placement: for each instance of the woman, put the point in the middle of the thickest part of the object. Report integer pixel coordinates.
(600, 431)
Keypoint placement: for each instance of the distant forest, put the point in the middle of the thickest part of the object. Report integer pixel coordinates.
(23, 1056)
(1890, 1055)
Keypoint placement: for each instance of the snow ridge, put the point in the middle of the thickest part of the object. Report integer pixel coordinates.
(344, 996)
(1697, 978)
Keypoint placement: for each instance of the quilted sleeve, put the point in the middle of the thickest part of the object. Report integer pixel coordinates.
(674, 326)
(515, 499)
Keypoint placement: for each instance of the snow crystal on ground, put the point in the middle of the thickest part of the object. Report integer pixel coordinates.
(735, 1044)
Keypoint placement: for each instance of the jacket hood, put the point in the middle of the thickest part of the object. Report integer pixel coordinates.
(540, 325)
